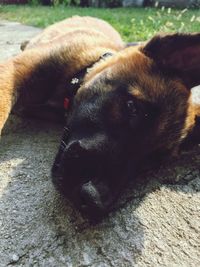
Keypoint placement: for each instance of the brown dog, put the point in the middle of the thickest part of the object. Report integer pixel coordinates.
(123, 104)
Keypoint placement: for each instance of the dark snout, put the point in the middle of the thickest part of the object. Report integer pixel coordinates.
(91, 203)
(74, 149)
(79, 173)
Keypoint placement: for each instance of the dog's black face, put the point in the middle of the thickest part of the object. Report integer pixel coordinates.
(98, 150)
(112, 126)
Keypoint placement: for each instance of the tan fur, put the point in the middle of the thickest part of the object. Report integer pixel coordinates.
(55, 33)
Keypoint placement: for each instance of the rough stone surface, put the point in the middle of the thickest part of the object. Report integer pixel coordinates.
(157, 224)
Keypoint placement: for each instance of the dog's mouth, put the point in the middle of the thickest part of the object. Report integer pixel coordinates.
(85, 180)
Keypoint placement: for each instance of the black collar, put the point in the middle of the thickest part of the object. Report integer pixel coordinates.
(74, 84)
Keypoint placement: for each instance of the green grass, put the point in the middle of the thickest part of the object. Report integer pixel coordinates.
(133, 23)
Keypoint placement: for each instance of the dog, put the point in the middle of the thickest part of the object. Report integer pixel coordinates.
(120, 104)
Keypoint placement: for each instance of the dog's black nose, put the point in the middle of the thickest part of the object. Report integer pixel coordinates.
(90, 199)
(74, 149)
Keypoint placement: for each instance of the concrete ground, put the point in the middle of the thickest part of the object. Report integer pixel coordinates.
(158, 223)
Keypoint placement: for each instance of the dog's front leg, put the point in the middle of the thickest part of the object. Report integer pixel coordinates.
(195, 99)
(8, 94)
(29, 79)
(195, 103)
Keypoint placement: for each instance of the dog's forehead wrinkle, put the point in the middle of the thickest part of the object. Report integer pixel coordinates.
(112, 72)
(102, 84)
(101, 94)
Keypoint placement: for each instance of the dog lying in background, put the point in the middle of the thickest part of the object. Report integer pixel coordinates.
(120, 105)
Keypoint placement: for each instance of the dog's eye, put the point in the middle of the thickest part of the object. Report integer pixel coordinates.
(132, 107)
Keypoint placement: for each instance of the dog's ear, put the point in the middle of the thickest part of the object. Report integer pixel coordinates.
(177, 54)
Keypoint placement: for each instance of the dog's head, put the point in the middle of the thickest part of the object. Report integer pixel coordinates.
(129, 107)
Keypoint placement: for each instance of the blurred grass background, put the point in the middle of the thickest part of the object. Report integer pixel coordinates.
(134, 24)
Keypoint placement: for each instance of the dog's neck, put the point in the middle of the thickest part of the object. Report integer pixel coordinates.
(74, 84)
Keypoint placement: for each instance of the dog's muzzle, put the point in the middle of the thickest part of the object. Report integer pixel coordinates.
(78, 174)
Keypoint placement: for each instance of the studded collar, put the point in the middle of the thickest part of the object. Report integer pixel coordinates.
(74, 84)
